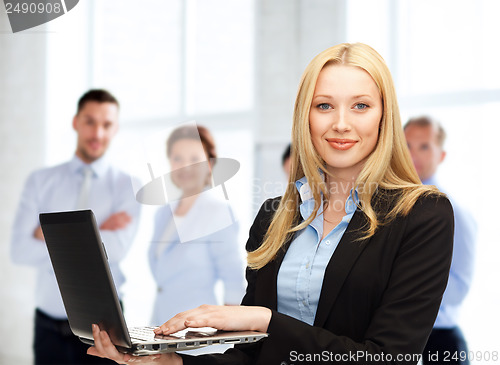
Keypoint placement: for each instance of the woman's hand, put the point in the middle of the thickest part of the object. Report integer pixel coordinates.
(227, 318)
(103, 347)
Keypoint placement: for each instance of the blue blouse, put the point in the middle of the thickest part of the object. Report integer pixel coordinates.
(199, 251)
(300, 276)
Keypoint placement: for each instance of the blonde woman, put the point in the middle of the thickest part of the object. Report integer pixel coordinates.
(350, 265)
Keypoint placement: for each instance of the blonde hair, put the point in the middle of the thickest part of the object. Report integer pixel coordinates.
(388, 167)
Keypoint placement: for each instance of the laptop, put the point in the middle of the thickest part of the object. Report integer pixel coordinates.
(88, 291)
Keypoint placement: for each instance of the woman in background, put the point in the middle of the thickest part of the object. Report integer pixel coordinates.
(350, 265)
(195, 241)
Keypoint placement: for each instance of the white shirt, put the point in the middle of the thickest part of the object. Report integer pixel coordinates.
(462, 264)
(57, 189)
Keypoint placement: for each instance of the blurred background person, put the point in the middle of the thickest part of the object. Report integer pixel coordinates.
(195, 241)
(87, 181)
(425, 138)
(285, 160)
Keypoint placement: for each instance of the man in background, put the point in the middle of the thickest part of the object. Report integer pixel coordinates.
(87, 181)
(446, 344)
(286, 160)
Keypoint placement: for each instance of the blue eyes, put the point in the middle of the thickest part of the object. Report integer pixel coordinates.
(323, 106)
(361, 106)
(358, 106)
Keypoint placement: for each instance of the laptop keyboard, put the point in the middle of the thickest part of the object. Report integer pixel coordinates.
(146, 333)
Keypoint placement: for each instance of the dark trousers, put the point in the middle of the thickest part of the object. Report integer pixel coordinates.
(56, 344)
(446, 346)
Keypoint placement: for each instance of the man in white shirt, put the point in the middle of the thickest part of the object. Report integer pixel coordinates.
(87, 181)
(446, 344)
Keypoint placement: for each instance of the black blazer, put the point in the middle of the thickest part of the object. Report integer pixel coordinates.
(379, 298)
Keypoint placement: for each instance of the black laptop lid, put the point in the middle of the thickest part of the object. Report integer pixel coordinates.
(82, 271)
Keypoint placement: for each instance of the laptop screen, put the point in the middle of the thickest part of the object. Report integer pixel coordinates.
(83, 275)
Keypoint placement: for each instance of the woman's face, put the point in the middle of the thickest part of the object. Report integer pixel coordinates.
(344, 120)
(190, 166)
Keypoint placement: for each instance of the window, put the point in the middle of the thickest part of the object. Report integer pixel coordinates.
(167, 62)
(443, 56)
(175, 59)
